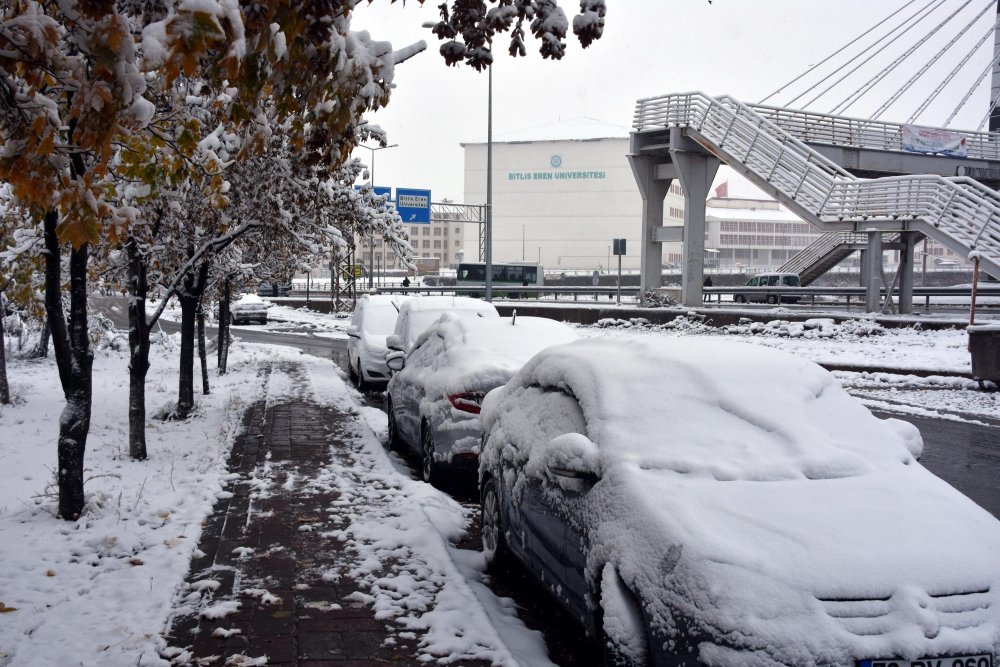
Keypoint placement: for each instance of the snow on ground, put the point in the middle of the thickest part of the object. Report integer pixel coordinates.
(98, 591)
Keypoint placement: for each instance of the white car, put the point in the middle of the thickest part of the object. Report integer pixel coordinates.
(419, 312)
(248, 308)
(697, 501)
(433, 402)
(374, 319)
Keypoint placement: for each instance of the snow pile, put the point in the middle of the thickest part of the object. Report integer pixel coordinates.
(820, 327)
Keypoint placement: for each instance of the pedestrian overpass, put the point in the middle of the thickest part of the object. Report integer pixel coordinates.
(848, 177)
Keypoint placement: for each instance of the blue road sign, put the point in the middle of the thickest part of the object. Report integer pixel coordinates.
(414, 206)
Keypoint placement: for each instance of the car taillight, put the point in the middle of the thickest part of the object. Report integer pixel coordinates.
(468, 401)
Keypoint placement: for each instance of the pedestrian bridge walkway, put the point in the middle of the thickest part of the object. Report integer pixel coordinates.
(687, 135)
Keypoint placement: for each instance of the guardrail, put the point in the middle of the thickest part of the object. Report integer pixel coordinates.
(577, 294)
(810, 293)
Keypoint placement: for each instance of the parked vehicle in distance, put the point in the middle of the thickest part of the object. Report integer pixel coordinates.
(274, 289)
(697, 501)
(248, 308)
(473, 274)
(373, 321)
(419, 312)
(433, 400)
(775, 280)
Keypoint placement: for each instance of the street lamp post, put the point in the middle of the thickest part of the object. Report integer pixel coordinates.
(371, 238)
(489, 189)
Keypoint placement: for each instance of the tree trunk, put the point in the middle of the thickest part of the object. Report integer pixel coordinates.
(4, 387)
(74, 360)
(202, 351)
(189, 296)
(224, 302)
(185, 395)
(138, 339)
(42, 350)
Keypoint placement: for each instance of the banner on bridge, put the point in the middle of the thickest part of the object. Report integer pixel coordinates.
(933, 140)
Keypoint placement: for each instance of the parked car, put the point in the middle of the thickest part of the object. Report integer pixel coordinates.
(419, 312)
(248, 308)
(374, 319)
(267, 288)
(779, 281)
(433, 401)
(712, 502)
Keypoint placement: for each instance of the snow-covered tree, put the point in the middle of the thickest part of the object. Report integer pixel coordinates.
(100, 99)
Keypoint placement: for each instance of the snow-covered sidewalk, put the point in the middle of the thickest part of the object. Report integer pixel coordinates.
(100, 591)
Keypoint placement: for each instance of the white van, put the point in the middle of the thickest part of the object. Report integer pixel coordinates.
(778, 281)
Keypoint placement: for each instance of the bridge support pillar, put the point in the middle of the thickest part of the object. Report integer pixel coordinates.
(908, 240)
(653, 193)
(696, 171)
(873, 271)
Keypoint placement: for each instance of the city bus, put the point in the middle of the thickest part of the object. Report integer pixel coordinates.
(473, 274)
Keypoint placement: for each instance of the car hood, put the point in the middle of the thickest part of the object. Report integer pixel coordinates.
(853, 567)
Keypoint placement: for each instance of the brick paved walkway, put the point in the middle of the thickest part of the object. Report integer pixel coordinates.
(264, 548)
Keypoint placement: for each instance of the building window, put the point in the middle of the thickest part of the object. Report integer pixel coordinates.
(676, 212)
(437, 231)
(427, 244)
(458, 230)
(427, 231)
(437, 243)
(457, 243)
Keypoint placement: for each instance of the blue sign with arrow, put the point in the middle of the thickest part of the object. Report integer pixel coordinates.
(414, 206)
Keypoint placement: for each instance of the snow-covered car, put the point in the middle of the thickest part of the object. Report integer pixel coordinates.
(374, 319)
(248, 308)
(433, 402)
(421, 311)
(711, 502)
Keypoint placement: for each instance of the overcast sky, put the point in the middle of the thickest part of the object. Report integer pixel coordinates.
(745, 48)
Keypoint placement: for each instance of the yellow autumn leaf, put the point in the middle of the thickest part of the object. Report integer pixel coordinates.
(4, 608)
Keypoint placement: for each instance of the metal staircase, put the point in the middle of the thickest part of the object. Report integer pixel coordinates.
(826, 252)
(960, 213)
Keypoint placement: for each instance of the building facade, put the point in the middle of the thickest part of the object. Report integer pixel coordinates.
(562, 193)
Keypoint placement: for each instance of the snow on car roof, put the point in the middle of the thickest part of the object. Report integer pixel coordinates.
(720, 409)
(484, 352)
(422, 303)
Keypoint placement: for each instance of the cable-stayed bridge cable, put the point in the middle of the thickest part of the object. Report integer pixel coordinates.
(836, 53)
(924, 10)
(852, 99)
(930, 63)
(951, 75)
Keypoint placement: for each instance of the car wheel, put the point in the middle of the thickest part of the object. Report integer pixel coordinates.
(429, 470)
(772, 299)
(623, 627)
(494, 543)
(395, 442)
(739, 298)
(232, 319)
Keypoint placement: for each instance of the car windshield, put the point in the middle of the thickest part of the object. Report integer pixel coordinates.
(380, 319)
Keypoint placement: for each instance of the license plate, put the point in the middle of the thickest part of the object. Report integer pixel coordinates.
(981, 660)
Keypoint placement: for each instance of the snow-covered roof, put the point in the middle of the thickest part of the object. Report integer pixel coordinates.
(782, 214)
(720, 409)
(482, 353)
(575, 129)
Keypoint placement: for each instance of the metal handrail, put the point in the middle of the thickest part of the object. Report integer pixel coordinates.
(961, 212)
(820, 128)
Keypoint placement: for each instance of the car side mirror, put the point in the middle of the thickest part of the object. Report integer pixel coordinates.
(394, 342)
(396, 361)
(353, 332)
(570, 460)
